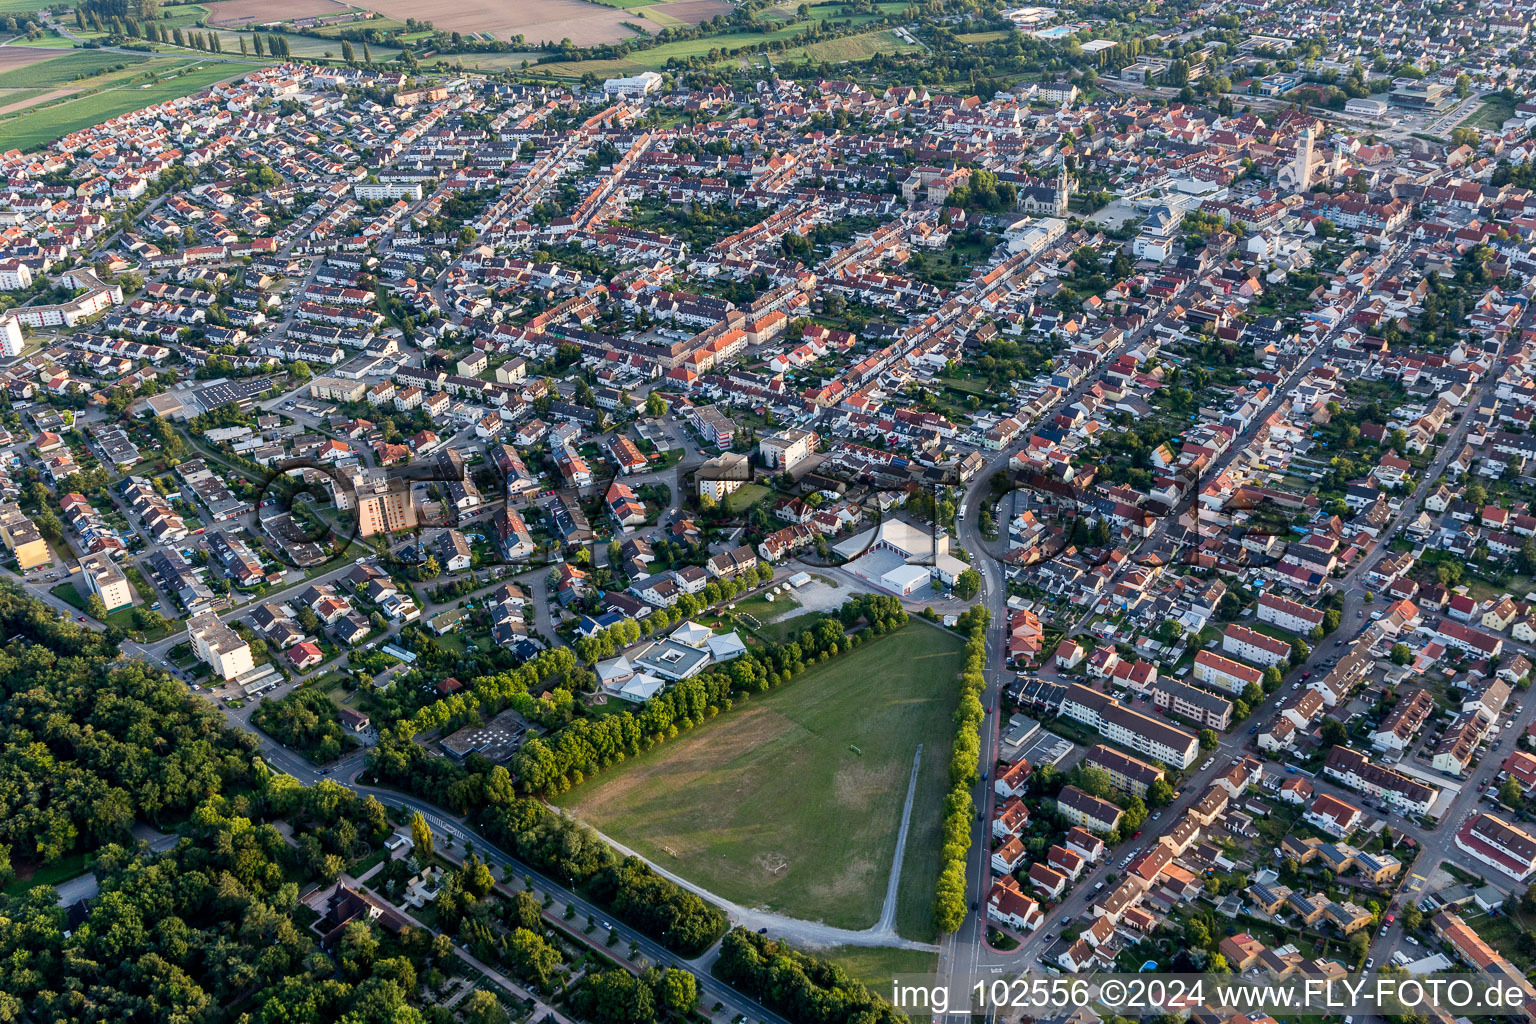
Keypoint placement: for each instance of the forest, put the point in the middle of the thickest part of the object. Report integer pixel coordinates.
(212, 929)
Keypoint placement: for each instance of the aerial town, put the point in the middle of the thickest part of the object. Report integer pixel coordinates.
(698, 520)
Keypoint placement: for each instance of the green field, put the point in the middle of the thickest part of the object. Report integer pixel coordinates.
(39, 126)
(485, 61)
(655, 59)
(745, 497)
(65, 70)
(792, 800)
(875, 966)
(782, 629)
(856, 47)
(1491, 115)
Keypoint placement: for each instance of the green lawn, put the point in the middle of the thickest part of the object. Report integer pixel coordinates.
(781, 630)
(744, 498)
(762, 609)
(769, 804)
(875, 966)
(69, 866)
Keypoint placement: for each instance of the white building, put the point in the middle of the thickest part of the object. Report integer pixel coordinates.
(104, 579)
(635, 85)
(10, 337)
(219, 646)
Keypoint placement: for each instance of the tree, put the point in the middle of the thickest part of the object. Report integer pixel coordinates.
(1159, 793)
(1273, 678)
(1412, 917)
(1511, 793)
(1209, 740)
(1333, 732)
(1094, 782)
(1299, 652)
(531, 956)
(421, 836)
(678, 991)
(655, 405)
(347, 53)
(481, 1007)
(95, 607)
(968, 584)
(1401, 655)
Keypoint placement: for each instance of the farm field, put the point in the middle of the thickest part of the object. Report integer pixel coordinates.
(17, 99)
(236, 13)
(792, 800)
(655, 59)
(56, 68)
(487, 61)
(15, 57)
(40, 126)
(537, 20)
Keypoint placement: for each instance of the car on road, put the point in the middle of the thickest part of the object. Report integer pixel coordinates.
(1208, 762)
(1410, 940)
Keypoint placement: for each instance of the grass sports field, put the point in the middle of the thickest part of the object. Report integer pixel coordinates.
(792, 800)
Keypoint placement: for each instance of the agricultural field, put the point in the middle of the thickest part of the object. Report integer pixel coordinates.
(655, 59)
(792, 800)
(486, 61)
(13, 58)
(238, 13)
(56, 68)
(39, 126)
(536, 20)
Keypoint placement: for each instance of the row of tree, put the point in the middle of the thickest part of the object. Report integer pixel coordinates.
(949, 892)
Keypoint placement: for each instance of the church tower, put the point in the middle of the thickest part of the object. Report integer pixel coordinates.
(1302, 172)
